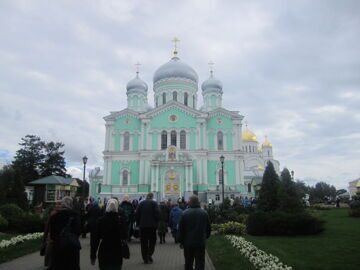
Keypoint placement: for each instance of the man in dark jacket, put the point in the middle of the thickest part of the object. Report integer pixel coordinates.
(194, 229)
(147, 217)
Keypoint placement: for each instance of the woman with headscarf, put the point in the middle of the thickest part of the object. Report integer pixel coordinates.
(110, 232)
(64, 258)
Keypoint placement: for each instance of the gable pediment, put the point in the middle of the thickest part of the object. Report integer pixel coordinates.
(173, 105)
(126, 112)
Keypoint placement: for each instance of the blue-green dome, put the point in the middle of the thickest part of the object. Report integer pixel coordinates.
(175, 69)
(211, 84)
(137, 84)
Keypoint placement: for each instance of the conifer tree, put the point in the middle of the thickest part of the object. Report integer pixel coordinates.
(289, 199)
(268, 195)
(54, 161)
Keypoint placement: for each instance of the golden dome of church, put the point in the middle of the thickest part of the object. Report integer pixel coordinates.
(248, 135)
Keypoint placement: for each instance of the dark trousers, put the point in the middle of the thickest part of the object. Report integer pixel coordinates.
(197, 254)
(148, 241)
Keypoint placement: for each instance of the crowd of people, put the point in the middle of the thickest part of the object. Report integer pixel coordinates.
(112, 223)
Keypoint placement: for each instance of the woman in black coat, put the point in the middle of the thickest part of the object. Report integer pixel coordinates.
(64, 258)
(111, 230)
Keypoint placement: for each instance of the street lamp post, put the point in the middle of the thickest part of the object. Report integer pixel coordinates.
(85, 159)
(222, 158)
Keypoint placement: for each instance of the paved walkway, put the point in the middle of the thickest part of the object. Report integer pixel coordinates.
(167, 256)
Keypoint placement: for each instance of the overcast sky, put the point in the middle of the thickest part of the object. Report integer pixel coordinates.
(292, 68)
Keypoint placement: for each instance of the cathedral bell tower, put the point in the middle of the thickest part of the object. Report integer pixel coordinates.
(136, 91)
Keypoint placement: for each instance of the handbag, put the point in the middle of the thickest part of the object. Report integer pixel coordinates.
(125, 251)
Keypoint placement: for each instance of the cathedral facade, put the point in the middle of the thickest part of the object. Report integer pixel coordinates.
(173, 148)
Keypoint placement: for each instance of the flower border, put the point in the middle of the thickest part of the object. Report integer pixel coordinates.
(259, 258)
(20, 239)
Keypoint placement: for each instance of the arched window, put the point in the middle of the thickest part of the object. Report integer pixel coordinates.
(164, 98)
(173, 138)
(125, 178)
(175, 95)
(156, 101)
(182, 139)
(186, 97)
(126, 141)
(194, 102)
(163, 140)
(249, 187)
(220, 141)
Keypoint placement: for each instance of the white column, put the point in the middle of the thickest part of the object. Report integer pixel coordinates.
(237, 170)
(108, 180)
(157, 174)
(141, 173)
(107, 136)
(200, 171)
(168, 138)
(191, 177)
(198, 146)
(112, 138)
(205, 171)
(152, 177)
(146, 178)
(187, 139)
(178, 139)
(141, 144)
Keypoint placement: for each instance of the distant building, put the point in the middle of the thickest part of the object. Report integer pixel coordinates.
(53, 188)
(354, 187)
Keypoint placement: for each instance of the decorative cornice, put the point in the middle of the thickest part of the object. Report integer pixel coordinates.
(126, 112)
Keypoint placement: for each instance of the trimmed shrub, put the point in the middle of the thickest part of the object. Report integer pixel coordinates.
(12, 213)
(281, 223)
(234, 228)
(255, 223)
(30, 223)
(3, 223)
(354, 208)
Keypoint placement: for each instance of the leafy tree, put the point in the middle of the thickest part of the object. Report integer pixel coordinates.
(289, 199)
(322, 190)
(268, 195)
(302, 188)
(28, 158)
(12, 187)
(340, 191)
(54, 161)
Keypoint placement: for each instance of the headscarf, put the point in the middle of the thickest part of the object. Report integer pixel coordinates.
(112, 206)
(67, 202)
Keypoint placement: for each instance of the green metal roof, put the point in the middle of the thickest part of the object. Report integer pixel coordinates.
(52, 180)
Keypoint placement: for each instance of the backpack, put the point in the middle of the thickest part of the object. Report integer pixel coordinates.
(67, 239)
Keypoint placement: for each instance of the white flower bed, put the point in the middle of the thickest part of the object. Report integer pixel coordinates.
(260, 259)
(20, 239)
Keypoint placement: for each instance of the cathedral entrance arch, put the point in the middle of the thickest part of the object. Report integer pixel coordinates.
(172, 185)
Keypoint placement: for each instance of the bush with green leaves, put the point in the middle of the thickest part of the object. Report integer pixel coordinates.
(30, 223)
(3, 223)
(12, 213)
(233, 228)
(283, 223)
(354, 208)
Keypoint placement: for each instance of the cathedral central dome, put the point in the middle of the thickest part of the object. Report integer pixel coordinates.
(175, 69)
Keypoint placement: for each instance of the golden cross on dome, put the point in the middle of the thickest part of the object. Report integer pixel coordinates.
(137, 65)
(211, 65)
(175, 40)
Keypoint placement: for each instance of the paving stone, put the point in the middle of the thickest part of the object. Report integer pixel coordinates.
(167, 256)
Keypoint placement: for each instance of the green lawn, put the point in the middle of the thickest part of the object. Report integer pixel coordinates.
(224, 256)
(22, 249)
(338, 247)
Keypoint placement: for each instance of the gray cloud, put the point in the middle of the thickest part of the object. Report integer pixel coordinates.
(290, 68)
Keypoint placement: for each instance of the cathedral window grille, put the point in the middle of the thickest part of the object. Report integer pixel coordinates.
(182, 139)
(220, 140)
(217, 197)
(126, 141)
(164, 98)
(194, 102)
(175, 96)
(125, 178)
(163, 140)
(157, 101)
(173, 138)
(186, 97)
(249, 187)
